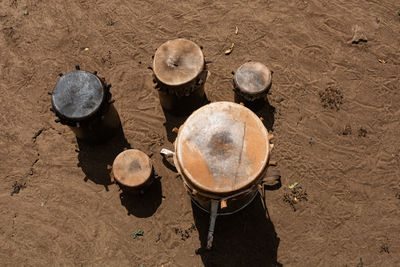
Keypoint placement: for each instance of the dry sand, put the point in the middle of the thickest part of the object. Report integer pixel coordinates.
(336, 124)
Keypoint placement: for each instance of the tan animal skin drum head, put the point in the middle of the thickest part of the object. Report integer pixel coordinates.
(222, 147)
(177, 62)
(132, 168)
(253, 78)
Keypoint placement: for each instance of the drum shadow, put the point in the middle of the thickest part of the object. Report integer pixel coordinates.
(143, 205)
(262, 108)
(94, 160)
(267, 112)
(175, 120)
(247, 238)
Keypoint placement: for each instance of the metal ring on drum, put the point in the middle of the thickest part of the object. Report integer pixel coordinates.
(225, 213)
(179, 72)
(82, 101)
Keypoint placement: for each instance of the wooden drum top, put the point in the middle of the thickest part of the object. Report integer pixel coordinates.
(132, 168)
(253, 78)
(77, 95)
(222, 147)
(177, 62)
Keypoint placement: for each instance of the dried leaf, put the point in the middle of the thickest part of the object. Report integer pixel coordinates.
(382, 61)
(293, 185)
(230, 49)
(236, 30)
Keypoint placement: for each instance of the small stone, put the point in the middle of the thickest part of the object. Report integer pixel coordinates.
(26, 12)
(359, 35)
(347, 130)
(311, 142)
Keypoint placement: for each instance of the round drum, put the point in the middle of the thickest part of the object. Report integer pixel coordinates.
(132, 170)
(179, 75)
(83, 102)
(251, 83)
(222, 152)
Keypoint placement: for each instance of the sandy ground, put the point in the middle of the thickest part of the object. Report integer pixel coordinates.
(336, 122)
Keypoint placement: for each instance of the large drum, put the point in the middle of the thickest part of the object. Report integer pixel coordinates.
(222, 152)
(179, 75)
(133, 171)
(251, 83)
(82, 101)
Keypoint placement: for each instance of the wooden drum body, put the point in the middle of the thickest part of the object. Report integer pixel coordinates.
(222, 152)
(83, 102)
(179, 76)
(251, 84)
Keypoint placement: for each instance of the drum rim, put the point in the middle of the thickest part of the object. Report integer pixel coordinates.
(266, 88)
(251, 180)
(61, 115)
(145, 180)
(180, 83)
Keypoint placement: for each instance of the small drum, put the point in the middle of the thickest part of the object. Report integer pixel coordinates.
(179, 75)
(133, 170)
(251, 83)
(82, 101)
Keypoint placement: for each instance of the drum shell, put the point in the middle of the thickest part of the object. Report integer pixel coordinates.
(182, 104)
(182, 99)
(241, 199)
(138, 189)
(99, 127)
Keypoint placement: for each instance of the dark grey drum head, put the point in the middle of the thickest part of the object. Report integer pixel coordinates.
(77, 95)
(253, 78)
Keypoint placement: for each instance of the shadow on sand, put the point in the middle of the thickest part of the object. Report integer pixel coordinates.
(94, 159)
(247, 238)
(175, 120)
(267, 112)
(144, 204)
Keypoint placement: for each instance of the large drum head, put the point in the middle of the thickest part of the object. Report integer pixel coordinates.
(177, 62)
(222, 147)
(252, 78)
(132, 168)
(77, 95)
